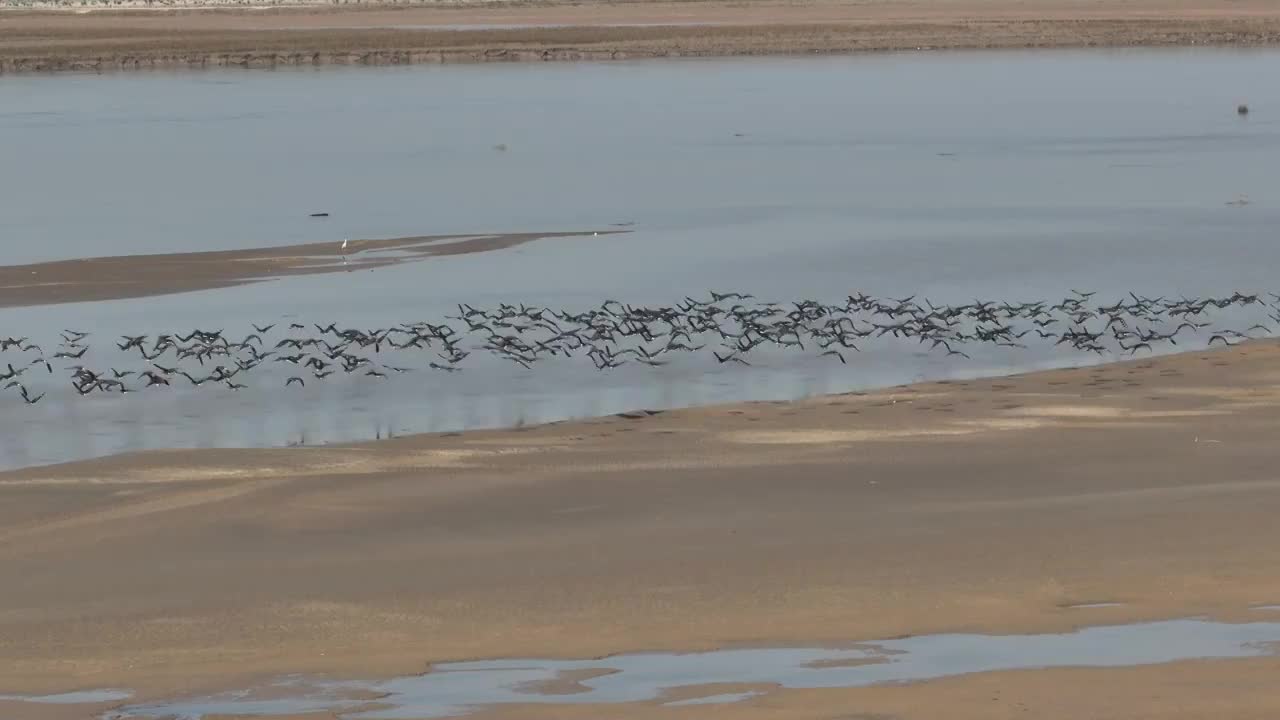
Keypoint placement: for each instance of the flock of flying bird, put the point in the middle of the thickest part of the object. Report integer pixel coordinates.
(728, 326)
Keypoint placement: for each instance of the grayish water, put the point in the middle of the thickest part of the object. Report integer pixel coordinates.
(1008, 175)
(80, 697)
(724, 699)
(457, 688)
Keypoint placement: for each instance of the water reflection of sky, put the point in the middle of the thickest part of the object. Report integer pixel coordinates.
(453, 689)
(488, 392)
(1005, 175)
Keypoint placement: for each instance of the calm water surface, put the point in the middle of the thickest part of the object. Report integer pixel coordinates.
(1006, 175)
(455, 689)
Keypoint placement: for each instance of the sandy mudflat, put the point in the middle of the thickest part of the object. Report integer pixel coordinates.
(986, 505)
(378, 34)
(130, 276)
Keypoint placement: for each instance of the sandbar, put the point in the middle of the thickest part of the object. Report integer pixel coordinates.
(89, 39)
(132, 276)
(992, 505)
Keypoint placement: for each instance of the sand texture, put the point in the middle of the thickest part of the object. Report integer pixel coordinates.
(380, 35)
(985, 505)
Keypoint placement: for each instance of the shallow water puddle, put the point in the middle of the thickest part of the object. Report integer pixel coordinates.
(457, 688)
(81, 697)
(722, 699)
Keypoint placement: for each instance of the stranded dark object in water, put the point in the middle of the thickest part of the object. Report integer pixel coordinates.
(1242, 109)
(319, 215)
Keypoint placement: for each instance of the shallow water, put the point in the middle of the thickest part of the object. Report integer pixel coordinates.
(452, 689)
(81, 697)
(724, 699)
(1008, 175)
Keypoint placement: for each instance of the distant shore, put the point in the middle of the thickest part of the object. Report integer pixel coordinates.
(96, 37)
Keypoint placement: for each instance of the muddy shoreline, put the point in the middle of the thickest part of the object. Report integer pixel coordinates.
(994, 505)
(99, 42)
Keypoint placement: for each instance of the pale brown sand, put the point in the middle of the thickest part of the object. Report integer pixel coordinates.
(610, 30)
(989, 505)
(130, 276)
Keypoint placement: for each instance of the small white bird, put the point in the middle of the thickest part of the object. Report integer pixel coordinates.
(344, 243)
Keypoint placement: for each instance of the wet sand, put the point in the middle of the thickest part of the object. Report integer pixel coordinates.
(132, 276)
(375, 35)
(985, 506)
(1234, 689)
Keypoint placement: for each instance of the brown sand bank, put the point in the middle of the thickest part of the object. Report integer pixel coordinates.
(31, 41)
(986, 505)
(131, 276)
(1218, 690)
